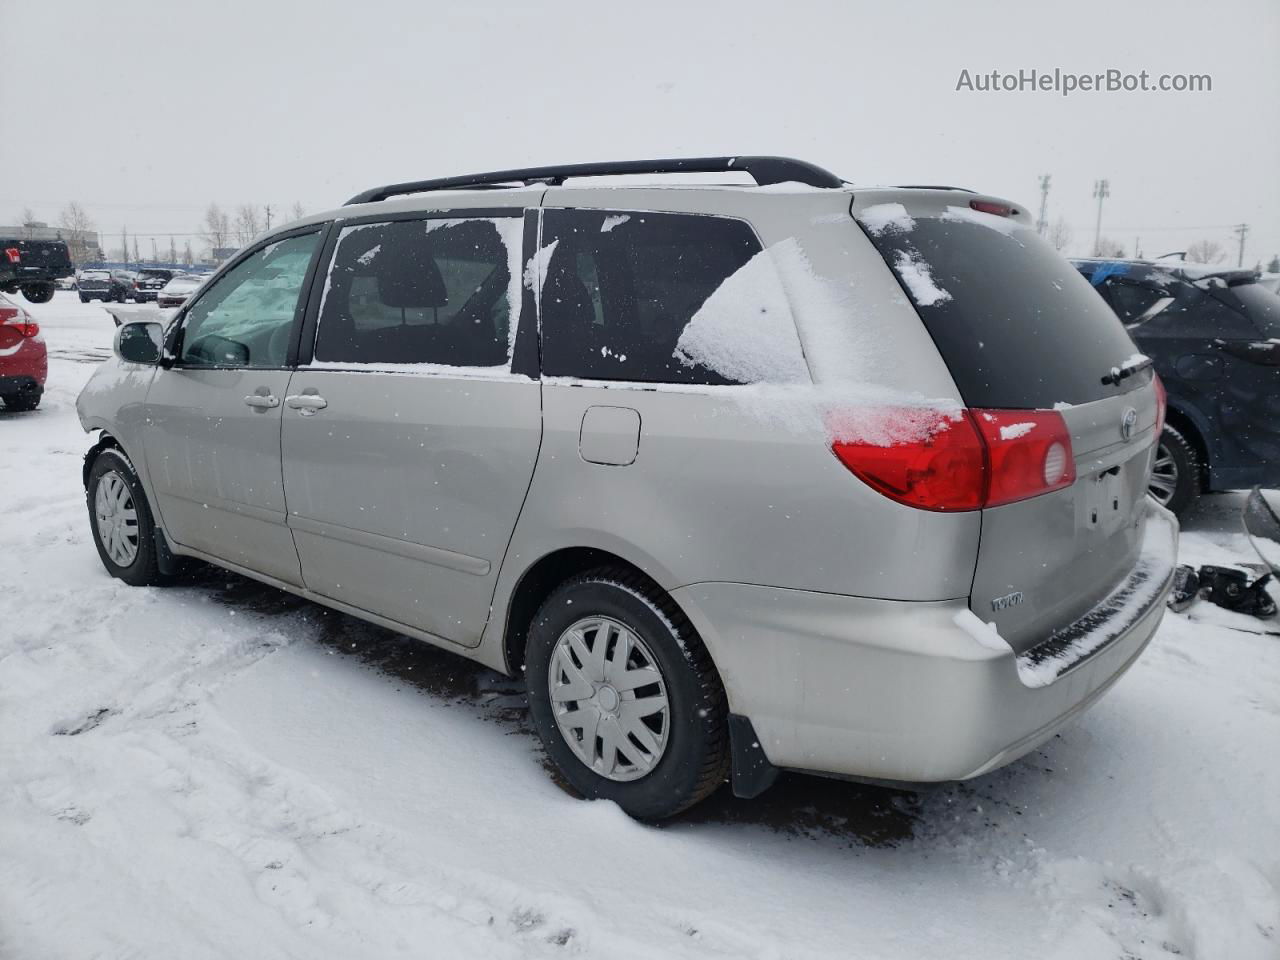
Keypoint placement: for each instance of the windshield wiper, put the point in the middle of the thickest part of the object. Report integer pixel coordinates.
(1127, 369)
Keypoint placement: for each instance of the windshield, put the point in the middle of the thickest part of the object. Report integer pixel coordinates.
(1017, 325)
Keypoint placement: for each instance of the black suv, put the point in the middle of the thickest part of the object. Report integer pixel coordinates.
(148, 282)
(33, 266)
(105, 285)
(1214, 336)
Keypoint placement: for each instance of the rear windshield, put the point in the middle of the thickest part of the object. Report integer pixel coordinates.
(1261, 305)
(1017, 325)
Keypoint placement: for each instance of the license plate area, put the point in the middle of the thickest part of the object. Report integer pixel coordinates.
(1107, 498)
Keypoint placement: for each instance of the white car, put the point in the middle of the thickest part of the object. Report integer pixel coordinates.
(176, 291)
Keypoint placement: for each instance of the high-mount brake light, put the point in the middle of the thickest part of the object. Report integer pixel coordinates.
(990, 206)
(962, 460)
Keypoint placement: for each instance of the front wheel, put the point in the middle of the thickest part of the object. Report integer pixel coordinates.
(38, 292)
(1175, 476)
(83, 298)
(120, 519)
(624, 696)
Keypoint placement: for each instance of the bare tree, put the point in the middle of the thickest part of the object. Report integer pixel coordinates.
(28, 220)
(79, 230)
(217, 227)
(187, 259)
(248, 223)
(1274, 265)
(1206, 251)
(1060, 234)
(1109, 248)
(297, 211)
(173, 251)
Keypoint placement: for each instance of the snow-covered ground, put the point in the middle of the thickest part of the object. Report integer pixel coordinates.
(220, 770)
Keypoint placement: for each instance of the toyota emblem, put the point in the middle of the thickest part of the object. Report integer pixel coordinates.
(1127, 423)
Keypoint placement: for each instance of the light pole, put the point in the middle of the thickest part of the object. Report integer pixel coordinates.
(1241, 230)
(1101, 190)
(1043, 223)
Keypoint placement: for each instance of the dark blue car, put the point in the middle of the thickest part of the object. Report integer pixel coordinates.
(1214, 335)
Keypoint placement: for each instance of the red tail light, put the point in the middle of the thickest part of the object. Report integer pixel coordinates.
(1029, 453)
(17, 319)
(1162, 403)
(14, 254)
(964, 460)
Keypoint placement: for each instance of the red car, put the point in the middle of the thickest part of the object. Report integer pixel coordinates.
(24, 362)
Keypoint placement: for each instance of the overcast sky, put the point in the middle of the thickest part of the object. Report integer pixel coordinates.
(147, 111)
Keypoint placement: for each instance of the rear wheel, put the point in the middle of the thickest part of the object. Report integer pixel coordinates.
(38, 292)
(120, 518)
(624, 695)
(1175, 477)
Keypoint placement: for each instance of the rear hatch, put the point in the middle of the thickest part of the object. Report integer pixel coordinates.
(1021, 330)
(36, 259)
(92, 282)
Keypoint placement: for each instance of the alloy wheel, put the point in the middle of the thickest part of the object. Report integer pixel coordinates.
(1164, 476)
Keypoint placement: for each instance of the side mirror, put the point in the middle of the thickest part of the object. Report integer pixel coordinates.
(1263, 526)
(139, 342)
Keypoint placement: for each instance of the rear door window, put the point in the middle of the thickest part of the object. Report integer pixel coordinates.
(1017, 325)
(1131, 301)
(439, 291)
(662, 298)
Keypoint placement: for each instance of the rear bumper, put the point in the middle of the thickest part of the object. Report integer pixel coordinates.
(21, 384)
(916, 692)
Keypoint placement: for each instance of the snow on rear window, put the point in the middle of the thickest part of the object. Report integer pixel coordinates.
(881, 217)
(915, 273)
(1006, 225)
(537, 266)
(744, 330)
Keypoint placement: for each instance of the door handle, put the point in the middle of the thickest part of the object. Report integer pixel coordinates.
(263, 401)
(306, 403)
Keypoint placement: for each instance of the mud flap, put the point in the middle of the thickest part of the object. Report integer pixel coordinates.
(753, 774)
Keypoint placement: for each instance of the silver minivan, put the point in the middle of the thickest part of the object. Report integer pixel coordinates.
(793, 475)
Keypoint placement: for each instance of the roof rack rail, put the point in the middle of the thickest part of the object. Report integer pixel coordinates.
(764, 170)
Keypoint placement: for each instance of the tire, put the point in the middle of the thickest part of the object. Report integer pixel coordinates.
(38, 292)
(21, 402)
(608, 607)
(1175, 478)
(83, 298)
(140, 569)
